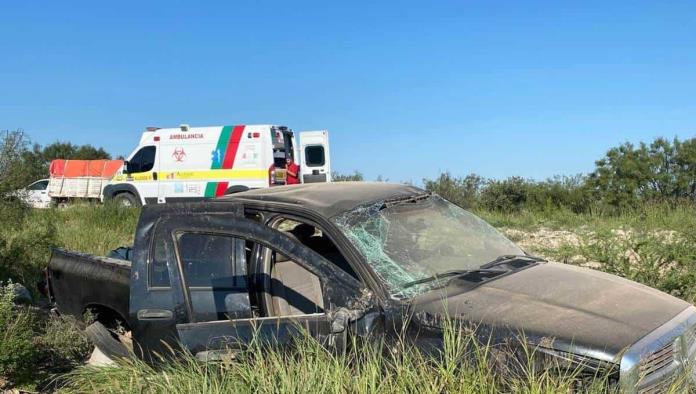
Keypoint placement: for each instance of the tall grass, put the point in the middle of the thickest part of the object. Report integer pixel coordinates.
(90, 228)
(17, 351)
(462, 366)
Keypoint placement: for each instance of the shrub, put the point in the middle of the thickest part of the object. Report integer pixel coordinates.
(18, 353)
(25, 247)
(508, 195)
(64, 341)
(559, 193)
(463, 191)
(25, 241)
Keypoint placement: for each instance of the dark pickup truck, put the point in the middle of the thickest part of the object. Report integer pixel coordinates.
(355, 260)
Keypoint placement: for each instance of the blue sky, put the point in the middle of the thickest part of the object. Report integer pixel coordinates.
(407, 89)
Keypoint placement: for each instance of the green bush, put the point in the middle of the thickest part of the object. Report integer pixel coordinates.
(513, 194)
(559, 193)
(626, 177)
(25, 241)
(64, 342)
(507, 195)
(25, 245)
(463, 191)
(18, 353)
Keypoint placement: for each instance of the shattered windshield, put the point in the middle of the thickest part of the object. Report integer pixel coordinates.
(419, 238)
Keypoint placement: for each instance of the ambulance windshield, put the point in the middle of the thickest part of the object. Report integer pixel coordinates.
(421, 238)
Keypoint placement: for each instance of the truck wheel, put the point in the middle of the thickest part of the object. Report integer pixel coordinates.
(126, 200)
(111, 346)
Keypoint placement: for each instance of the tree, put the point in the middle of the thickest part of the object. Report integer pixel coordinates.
(660, 171)
(13, 145)
(66, 150)
(685, 162)
(38, 159)
(13, 172)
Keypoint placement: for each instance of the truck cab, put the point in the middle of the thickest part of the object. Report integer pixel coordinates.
(186, 164)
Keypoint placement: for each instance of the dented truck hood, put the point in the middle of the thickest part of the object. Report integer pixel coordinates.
(578, 310)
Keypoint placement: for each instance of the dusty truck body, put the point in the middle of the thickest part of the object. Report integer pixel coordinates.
(349, 260)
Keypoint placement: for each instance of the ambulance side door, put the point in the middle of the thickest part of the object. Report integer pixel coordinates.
(315, 158)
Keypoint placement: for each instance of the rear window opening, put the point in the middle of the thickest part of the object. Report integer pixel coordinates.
(315, 156)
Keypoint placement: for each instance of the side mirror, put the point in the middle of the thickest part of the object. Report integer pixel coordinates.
(126, 167)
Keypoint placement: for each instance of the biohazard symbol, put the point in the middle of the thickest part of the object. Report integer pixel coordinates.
(179, 155)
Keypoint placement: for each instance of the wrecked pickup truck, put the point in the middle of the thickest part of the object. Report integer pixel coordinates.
(349, 260)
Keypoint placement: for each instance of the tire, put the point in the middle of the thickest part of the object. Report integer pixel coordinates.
(126, 200)
(109, 345)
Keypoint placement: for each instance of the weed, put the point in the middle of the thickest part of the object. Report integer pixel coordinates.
(17, 349)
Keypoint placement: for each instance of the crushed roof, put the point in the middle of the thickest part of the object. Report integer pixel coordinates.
(328, 199)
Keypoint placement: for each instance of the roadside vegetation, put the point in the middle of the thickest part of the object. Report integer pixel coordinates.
(635, 216)
(463, 366)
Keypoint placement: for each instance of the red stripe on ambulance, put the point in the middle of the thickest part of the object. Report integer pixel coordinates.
(221, 188)
(232, 147)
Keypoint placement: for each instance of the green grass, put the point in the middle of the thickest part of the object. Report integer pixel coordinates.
(463, 366)
(91, 228)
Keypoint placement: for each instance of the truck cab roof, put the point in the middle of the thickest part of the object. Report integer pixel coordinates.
(328, 199)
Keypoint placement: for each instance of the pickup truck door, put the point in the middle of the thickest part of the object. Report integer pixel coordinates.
(315, 157)
(157, 300)
(208, 339)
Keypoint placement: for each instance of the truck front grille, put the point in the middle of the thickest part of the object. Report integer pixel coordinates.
(664, 360)
(658, 361)
(660, 387)
(690, 340)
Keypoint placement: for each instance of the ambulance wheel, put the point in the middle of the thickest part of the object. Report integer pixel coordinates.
(126, 200)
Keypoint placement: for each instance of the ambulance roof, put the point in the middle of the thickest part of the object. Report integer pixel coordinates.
(199, 128)
(329, 199)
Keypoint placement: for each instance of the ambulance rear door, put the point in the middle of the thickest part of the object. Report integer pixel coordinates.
(315, 158)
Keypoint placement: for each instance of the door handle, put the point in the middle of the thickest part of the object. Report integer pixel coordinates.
(154, 175)
(155, 314)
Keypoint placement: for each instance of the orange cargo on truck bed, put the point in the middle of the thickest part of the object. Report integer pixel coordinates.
(84, 168)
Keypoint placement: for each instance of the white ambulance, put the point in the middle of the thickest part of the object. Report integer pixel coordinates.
(192, 163)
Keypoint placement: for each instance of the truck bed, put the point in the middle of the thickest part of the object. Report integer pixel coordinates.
(80, 281)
